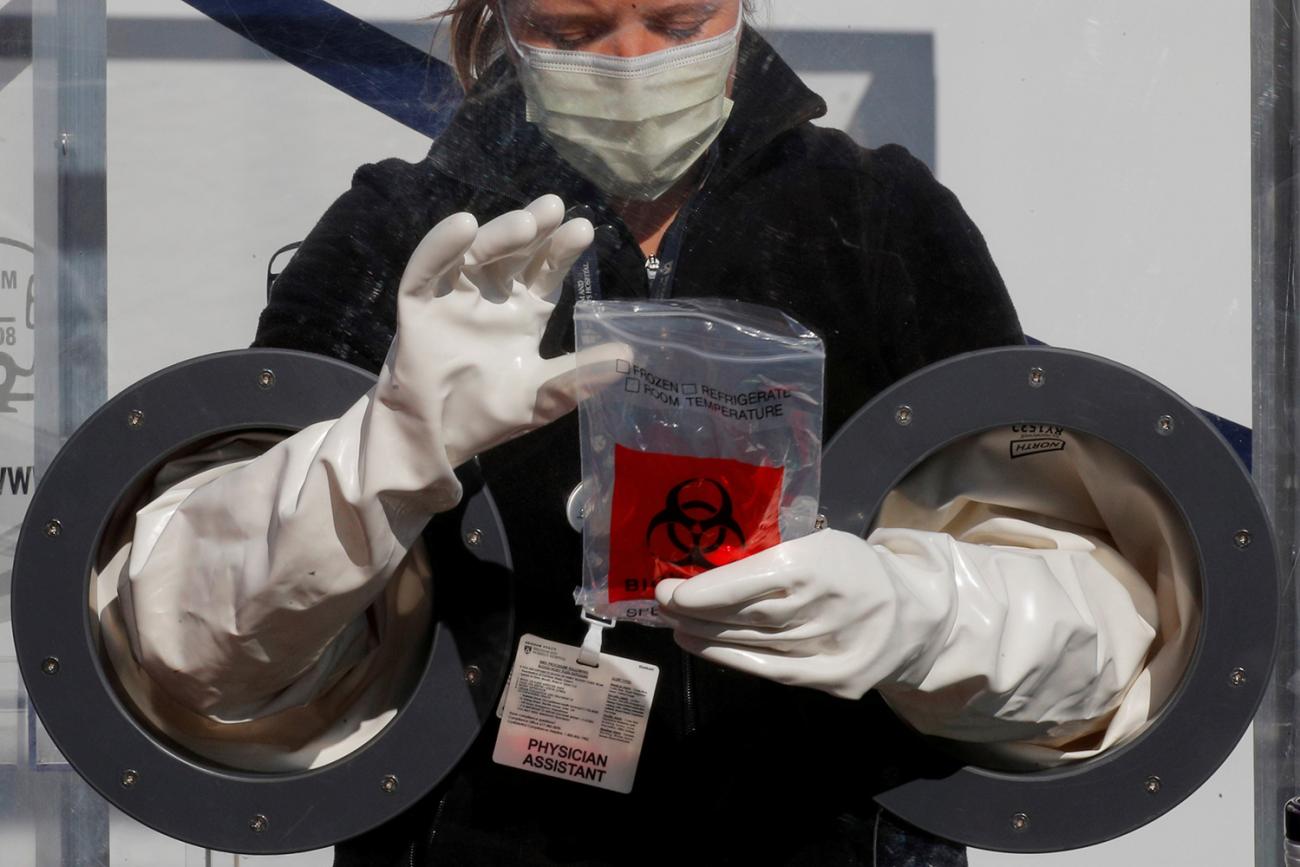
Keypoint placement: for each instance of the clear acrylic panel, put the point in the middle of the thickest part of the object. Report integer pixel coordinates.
(1101, 147)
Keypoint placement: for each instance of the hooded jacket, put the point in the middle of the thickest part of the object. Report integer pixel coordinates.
(862, 246)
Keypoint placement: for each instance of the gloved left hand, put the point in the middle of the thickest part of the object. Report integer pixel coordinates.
(992, 643)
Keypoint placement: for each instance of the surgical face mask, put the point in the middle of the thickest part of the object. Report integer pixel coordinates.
(632, 125)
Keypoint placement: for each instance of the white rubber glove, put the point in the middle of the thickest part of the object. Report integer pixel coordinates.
(968, 641)
(244, 595)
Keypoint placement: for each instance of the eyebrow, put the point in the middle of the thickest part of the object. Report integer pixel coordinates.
(705, 10)
(555, 19)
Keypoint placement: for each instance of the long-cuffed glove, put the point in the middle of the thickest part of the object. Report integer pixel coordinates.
(243, 595)
(968, 641)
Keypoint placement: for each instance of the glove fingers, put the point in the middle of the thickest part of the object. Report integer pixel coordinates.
(757, 577)
(779, 639)
(773, 612)
(760, 664)
(501, 237)
(567, 245)
(557, 385)
(566, 380)
(441, 251)
(563, 381)
(549, 213)
(601, 365)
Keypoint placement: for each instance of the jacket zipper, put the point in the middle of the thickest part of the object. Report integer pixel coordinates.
(433, 832)
(659, 280)
(652, 266)
(688, 698)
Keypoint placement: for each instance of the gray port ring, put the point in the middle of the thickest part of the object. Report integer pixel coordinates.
(1099, 799)
(160, 784)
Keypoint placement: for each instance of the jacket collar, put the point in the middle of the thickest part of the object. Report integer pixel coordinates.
(489, 145)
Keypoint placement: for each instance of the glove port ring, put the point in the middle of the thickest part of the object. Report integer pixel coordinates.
(97, 473)
(1092, 800)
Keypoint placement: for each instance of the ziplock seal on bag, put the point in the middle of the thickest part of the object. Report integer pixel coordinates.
(704, 450)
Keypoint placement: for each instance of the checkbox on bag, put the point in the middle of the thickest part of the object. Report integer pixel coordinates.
(622, 366)
(632, 384)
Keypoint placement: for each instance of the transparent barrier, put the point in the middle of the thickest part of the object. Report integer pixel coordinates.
(157, 157)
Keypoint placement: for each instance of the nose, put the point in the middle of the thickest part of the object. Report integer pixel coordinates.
(632, 40)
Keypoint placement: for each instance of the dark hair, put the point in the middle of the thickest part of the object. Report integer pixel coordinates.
(477, 38)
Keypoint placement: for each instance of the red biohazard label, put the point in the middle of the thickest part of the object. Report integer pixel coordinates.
(676, 516)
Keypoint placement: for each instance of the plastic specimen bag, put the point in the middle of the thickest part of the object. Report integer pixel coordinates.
(706, 449)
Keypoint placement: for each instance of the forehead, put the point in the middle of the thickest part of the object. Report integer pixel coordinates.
(615, 8)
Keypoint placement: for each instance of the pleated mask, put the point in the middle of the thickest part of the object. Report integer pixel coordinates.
(632, 125)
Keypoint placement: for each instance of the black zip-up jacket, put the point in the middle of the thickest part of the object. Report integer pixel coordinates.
(862, 246)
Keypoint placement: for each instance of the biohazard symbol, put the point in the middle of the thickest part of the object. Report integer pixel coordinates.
(707, 524)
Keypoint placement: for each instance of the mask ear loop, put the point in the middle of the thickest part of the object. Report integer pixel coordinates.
(512, 44)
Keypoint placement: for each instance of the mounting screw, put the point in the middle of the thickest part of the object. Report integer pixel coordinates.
(129, 778)
(1037, 376)
(903, 415)
(1238, 677)
(473, 538)
(472, 674)
(53, 527)
(1241, 538)
(258, 823)
(1165, 425)
(1151, 785)
(266, 379)
(50, 665)
(1019, 822)
(820, 523)
(135, 418)
(388, 784)
(64, 138)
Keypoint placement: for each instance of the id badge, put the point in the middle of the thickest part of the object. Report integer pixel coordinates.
(572, 721)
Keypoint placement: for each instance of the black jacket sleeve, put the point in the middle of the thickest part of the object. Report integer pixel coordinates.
(943, 294)
(338, 295)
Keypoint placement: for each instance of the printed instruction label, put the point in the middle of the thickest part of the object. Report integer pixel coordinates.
(755, 404)
(576, 722)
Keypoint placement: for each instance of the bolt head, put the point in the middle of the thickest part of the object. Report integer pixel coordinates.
(266, 378)
(1241, 539)
(50, 665)
(53, 528)
(1237, 677)
(388, 784)
(129, 778)
(258, 823)
(473, 674)
(903, 415)
(135, 418)
(473, 538)
(1151, 785)
(1037, 376)
(1019, 822)
(1165, 425)
(820, 523)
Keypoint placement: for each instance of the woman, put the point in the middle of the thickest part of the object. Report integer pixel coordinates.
(686, 146)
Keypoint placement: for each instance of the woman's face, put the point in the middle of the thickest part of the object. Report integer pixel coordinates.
(621, 28)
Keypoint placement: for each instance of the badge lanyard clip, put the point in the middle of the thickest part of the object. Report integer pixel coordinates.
(596, 626)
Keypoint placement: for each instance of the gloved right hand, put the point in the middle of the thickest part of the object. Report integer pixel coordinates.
(245, 584)
(464, 373)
